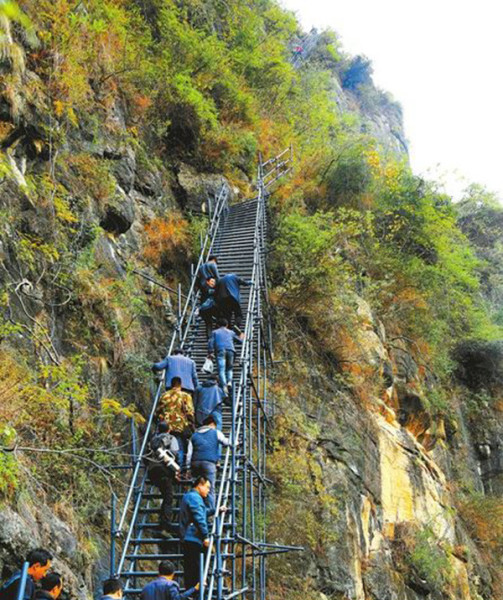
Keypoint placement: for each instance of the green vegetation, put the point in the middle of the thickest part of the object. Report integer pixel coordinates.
(89, 84)
(429, 559)
(393, 239)
(483, 517)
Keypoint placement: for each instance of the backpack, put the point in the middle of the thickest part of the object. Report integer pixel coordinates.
(160, 440)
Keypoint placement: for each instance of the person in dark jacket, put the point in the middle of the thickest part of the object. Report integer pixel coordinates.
(204, 452)
(208, 270)
(228, 297)
(39, 562)
(208, 401)
(222, 345)
(165, 587)
(112, 589)
(162, 475)
(208, 309)
(50, 587)
(181, 366)
(195, 509)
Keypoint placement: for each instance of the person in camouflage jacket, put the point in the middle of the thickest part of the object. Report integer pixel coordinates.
(177, 410)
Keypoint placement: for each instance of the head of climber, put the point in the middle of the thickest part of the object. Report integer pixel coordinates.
(176, 383)
(39, 562)
(52, 583)
(202, 485)
(162, 427)
(113, 588)
(210, 421)
(167, 569)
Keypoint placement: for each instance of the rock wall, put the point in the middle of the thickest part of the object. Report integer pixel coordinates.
(112, 186)
(31, 526)
(395, 523)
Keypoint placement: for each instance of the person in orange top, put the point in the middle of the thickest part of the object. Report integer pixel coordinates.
(177, 410)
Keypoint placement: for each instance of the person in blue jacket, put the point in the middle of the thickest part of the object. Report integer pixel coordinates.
(165, 587)
(208, 401)
(180, 366)
(228, 297)
(221, 345)
(39, 562)
(203, 452)
(195, 509)
(112, 589)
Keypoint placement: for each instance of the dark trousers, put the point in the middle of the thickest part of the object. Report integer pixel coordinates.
(229, 307)
(163, 479)
(208, 321)
(191, 560)
(183, 442)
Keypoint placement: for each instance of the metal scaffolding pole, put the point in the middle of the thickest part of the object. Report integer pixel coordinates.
(235, 562)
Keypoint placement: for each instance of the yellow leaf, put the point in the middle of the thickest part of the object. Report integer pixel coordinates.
(59, 107)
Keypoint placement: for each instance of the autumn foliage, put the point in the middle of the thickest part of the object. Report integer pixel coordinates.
(167, 240)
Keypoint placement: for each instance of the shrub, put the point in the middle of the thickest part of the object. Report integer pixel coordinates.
(429, 559)
(480, 364)
(423, 558)
(358, 72)
(90, 177)
(8, 463)
(168, 242)
(483, 516)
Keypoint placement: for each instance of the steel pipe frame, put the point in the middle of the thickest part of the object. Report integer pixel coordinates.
(249, 422)
(249, 429)
(185, 322)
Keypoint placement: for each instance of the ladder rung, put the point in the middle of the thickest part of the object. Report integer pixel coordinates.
(154, 540)
(145, 573)
(153, 556)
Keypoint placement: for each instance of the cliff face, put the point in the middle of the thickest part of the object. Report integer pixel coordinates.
(82, 317)
(381, 481)
(380, 467)
(380, 116)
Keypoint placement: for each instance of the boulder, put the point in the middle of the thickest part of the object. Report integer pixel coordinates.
(18, 534)
(63, 541)
(194, 188)
(480, 364)
(413, 413)
(123, 163)
(149, 181)
(106, 257)
(407, 369)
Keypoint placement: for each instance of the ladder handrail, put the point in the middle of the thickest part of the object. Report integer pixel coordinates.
(213, 567)
(192, 297)
(235, 435)
(228, 475)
